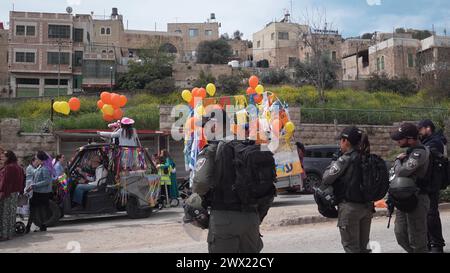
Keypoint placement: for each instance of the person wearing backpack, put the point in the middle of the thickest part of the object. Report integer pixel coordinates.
(436, 142)
(235, 180)
(408, 190)
(345, 176)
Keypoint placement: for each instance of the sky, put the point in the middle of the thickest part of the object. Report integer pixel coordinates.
(350, 17)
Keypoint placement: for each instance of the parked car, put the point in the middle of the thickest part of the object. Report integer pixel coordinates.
(317, 159)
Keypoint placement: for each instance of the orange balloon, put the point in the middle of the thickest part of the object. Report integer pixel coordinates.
(258, 99)
(115, 100)
(100, 104)
(123, 101)
(250, 91)
(108, 118)
(114, 106)
(74, 104)
(191, 103)
(202, 93)
(253, 82)
(106, 97)
(118, 114)
(283, 117)
(196, 92)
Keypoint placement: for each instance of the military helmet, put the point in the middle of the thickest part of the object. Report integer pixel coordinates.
(403, 187)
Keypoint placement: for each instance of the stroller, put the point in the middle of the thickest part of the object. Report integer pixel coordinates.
(22, 213)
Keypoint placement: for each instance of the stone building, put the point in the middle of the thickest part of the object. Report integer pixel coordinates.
(4, 78)
(355, 59)
(395, 57)
(242, 50)
(434, 62)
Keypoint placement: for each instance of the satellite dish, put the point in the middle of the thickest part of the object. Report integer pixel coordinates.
(69, 10)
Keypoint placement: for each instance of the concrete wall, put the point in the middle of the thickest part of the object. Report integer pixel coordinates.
(22, 144)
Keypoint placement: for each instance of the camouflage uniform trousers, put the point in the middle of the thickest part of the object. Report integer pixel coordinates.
(8, 208)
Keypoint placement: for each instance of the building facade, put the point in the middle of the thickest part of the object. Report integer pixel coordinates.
(395, 58)
(4, 76)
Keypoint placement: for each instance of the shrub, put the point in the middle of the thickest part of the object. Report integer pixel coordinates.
(275, 76)
(402, 86)
(204, 79)
(164, 86)
(229, 84)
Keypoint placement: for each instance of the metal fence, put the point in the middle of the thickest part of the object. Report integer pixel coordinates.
(372, 117)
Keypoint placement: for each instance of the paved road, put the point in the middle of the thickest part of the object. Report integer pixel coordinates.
(162, 232)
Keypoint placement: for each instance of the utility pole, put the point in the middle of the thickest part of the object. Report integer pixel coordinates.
(59, 64)
(111, 87)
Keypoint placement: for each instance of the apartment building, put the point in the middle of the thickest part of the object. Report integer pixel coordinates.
(4, 77)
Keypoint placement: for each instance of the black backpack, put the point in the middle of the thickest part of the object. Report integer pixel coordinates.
(375, 178)
(437, 176)
(254, 175)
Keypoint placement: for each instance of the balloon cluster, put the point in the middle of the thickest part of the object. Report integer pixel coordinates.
(255, 90)
(111, 105)
(64, 107)
(189, 96)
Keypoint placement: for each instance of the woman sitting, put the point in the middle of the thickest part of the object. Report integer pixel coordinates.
(89, 182)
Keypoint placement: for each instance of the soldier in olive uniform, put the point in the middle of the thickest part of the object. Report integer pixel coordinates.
(411, 227)
(345, 175)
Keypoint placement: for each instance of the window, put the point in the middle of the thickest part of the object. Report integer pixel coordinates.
(283, 35)
(382, 62)
(333, 56)
(272, 36)
(55, 82)
(208, 32)
(31, 31)
(58, 31)
(102, 31)
(378, 64)
(20, 30)
(178, 31)
(410, 60)
(108, 31)
(78, 58)
(53, 58)
(88, 36)
(193, 32)
(25, 57)
(27, 81)
(258, 44)
(78, 35)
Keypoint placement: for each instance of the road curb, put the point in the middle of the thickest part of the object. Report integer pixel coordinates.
(316, 219)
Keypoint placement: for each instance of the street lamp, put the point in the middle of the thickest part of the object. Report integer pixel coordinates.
(111, 69)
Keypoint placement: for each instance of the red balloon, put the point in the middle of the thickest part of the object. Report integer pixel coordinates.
(202, 93)
(251, 91)
(118, 114)
(115, 100)
(74, 104)
(258, 99)
(106, 97)
(123, 101)
(108, 118)
(253, 81)
(100, 104)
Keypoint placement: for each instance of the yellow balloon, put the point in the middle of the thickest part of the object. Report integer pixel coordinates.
(259, 89)
(211, 89)
(65, 108)
(186, 95)
(289, 127)
(56, 106)
(108, 109)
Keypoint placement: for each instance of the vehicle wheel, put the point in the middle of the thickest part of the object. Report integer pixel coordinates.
(174, 202)
(133, 210)
(20, 228)
(312, 180)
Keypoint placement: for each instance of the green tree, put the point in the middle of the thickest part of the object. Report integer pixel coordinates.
(214, 52)
(153, 66)
(320, 72)
(229, 84)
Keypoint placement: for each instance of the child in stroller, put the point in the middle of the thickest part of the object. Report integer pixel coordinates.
(22, 213)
